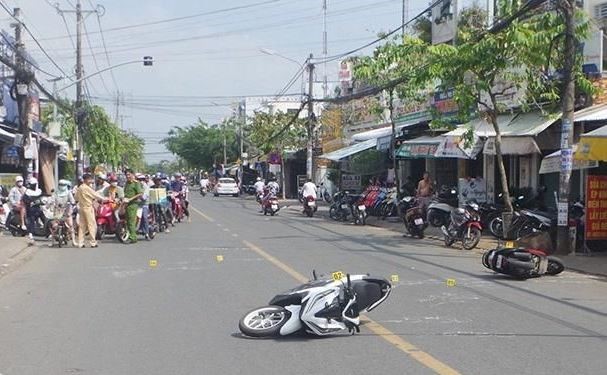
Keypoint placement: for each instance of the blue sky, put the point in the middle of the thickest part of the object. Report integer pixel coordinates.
(214, 55)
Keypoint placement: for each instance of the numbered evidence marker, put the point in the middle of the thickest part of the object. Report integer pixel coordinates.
(153, 263)
(451, 282)
(338, 275)
(219, 258)
(394, 278)
(509, 244)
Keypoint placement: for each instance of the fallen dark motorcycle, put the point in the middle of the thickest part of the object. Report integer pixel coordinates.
(522, 263)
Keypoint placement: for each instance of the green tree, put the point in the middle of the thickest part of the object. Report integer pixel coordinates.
(479, 70)
(395, 66)
(277, 132)
(201, 145)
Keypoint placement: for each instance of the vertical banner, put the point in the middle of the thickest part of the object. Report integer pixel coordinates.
(596, 208)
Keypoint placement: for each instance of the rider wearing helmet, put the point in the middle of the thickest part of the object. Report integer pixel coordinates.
(64, 202)
(31, 210)
(101, 182)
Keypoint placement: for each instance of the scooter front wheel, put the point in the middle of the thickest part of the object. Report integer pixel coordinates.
(471, 239)
(555, 266)
(264, 321)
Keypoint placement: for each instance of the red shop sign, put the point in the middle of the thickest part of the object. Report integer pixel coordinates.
(596, 208)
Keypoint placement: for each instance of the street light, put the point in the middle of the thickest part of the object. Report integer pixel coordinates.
(300, 65)
(147, 61)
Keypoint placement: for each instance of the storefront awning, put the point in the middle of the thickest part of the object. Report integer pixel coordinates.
(593, 145)
(454, 146)
(387, 130)
(419, 148)
(343, 153)
(513, 146)
(594, 113)
(510, 125)
(552, 163)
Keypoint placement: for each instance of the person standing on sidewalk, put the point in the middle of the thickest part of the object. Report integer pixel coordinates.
(425, 189)
(86, 196)
(15, 196)
(132, 192)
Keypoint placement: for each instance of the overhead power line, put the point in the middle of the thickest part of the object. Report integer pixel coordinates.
(34, 38)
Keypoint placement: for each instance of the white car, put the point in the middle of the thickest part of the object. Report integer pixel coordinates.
(226, 186)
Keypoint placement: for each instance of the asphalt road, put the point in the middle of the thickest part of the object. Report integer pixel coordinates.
(107, 311)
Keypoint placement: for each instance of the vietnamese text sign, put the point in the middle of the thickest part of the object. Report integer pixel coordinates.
(350, 182)
(596, 207)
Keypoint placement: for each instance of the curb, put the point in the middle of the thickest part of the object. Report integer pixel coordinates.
(18, 259)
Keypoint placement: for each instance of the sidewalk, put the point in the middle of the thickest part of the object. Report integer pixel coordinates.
(14, 251)
(596, 264)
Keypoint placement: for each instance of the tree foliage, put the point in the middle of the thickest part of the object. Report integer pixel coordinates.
(202, 145)
(103, 141)
(271, 132)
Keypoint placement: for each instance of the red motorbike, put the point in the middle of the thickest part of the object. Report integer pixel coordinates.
(177, 206)
(107, 220)
(310, 206)
(270, 205)
(465, 226)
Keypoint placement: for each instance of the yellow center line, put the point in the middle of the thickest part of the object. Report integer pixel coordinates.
(208, 218)
(413, 351)
(408, 348)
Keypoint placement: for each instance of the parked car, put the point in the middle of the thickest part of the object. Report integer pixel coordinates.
(226, 186)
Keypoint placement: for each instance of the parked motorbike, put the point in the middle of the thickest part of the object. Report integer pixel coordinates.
(439, 210)
(522, 263)
(339, 209)
(358, 209)
(414, 218)
(122, 232)
(320, 307)
(309, 206)
(465, 226)
(270, 206)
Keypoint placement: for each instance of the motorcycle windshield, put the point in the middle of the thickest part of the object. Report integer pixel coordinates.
(370, 293)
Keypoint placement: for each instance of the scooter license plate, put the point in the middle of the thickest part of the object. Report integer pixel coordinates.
(362, 208)
(274, 207)
(419, 221)
(344, 206)
(499, 261)
(311, 204)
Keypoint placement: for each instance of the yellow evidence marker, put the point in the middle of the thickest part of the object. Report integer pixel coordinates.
(451, 282)
(394, 278)
(153, 263)
(219, 258)
(338, 275)
(509, 244)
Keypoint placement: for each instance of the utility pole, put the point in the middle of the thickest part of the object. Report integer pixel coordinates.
(567, 8)
(325, 50)
(80, 113)
(22, 79)
(79, 108)
(311, 120)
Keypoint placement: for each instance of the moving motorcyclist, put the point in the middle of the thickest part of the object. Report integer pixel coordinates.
(259, 191)
(204, 181)
(162, 211)
(64, 202)
(273, 187)
(31, 210)
(309, 189)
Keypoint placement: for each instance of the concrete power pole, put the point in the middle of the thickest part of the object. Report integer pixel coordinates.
(79, 108)
(567, 8)
(311, 120)
(22, 80)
